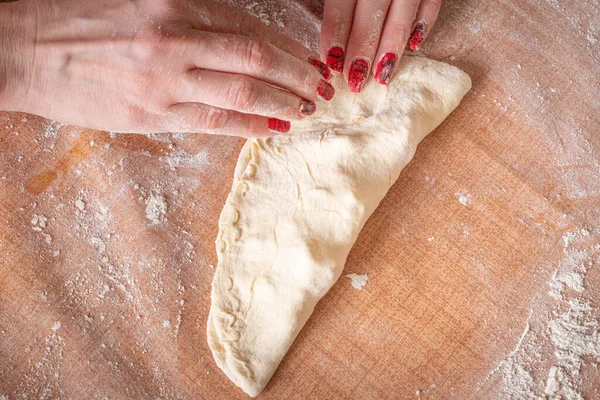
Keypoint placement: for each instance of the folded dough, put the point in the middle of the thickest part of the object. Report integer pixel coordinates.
(298, 202)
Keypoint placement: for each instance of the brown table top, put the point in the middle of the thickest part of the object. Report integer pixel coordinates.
(483, 259)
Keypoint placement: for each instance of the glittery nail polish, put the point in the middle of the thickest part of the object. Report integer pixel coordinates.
(321, 67)
(385, 68)
(307, 107)
(358, 75)
(417, 36)
(335, 58)
(278, 125)
(325, 90)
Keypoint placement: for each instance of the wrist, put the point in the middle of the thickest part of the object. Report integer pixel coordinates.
(17, 44)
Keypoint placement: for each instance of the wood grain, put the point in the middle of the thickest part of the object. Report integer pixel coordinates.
(102, 303)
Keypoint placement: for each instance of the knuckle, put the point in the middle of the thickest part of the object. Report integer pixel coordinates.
(150, 45)
(136, 115)
(258, 56)
(214, 119)
(157, 42)
(242, 94)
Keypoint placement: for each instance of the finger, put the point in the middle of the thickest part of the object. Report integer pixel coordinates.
(202, 118)
(241, 93)
(258, 59)
(426, 16)
(335, 31)
(224, 19)
(362, 44)
(393, 39)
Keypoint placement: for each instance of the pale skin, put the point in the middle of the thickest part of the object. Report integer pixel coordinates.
(151, 66)
(371, 29)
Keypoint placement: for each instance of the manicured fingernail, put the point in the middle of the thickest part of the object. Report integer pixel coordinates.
(335, 58)
(385, 68)
(279, 126)
(358, 75)
(417, 35)
(307, 107)
(325, 90)
(321, 67)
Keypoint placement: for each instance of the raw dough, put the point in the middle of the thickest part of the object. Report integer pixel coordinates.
(297, 204)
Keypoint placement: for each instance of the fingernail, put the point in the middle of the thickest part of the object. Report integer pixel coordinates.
(358, 75)
(385, 68)
(279, 126)
(321, 67)
(335, 59)
(307, 107)
(417, 35)
(325, 90)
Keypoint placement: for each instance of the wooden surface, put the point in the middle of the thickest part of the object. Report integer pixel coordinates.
(465, 255)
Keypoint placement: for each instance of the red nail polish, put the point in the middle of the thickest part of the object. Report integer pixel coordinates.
(385, 68)
(417, 36)
(325, 90)
(321, 67)
(335, 59)
(307, 107)
(358, 75)
(278, 125)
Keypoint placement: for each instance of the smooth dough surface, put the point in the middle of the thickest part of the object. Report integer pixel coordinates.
(298, 203)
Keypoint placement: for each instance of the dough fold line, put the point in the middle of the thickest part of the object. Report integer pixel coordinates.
(298, 203)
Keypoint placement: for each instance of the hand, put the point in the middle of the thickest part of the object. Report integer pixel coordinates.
(356, 33)
(154, 66)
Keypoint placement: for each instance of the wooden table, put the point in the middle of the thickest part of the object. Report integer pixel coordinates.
(481, 259)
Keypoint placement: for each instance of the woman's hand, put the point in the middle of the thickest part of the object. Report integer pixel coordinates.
(360, 35)
(154, 66)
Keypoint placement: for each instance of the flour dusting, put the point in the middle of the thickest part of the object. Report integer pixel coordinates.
(358, 281)
(464, 197)
(156, 208)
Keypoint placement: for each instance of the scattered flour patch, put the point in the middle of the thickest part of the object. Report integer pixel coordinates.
(517, 381)
(569, 274)
(182, 159)
(56, 326)
(574, 335)
(38, 222)
(105, 290)
(166, 324)
(358, 281)
(80, 204)
(156, 208)
(47, 237)
(464, 197)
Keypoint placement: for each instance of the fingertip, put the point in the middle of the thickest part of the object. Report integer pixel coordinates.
(325, 90)
(335, 59)
(417, 35)
(358, 74)
(321, 67)
(307, 107)
(278, 126)
(386, 68)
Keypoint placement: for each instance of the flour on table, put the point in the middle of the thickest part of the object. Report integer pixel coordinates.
(180, 158)
(156, 208)
(38, 222)
(358, 281)
(298, 203)
(80, 204)
(567, 333)
(464, 197)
